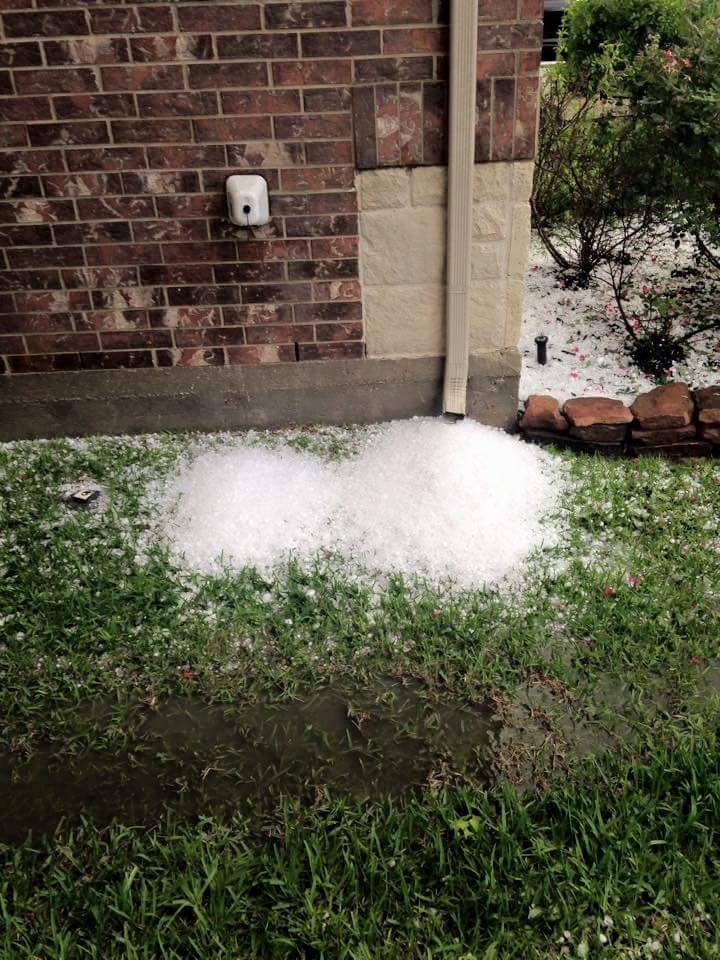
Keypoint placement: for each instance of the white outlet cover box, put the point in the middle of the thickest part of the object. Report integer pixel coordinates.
(247, 200)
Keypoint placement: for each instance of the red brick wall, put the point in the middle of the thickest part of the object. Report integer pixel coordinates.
(119, 123)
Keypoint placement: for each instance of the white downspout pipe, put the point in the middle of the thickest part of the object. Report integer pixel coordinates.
(461, 161)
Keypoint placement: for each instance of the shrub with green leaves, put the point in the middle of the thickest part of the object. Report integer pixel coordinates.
(629, 150)
(674, 92)
(667, 318)
(594, 190)
(589, 26)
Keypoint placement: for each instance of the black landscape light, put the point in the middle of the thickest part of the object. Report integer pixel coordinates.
(541, 344)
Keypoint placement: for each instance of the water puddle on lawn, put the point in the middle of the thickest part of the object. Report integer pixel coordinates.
(189, 758)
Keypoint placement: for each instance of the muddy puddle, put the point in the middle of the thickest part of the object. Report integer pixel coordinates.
(546, 726)
(188, 758)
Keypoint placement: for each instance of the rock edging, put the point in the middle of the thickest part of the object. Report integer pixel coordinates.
(670, 420)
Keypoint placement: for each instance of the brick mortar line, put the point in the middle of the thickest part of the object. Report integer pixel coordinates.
(224, 61)
(199, 326)
(297, 31)
(98, 347)
(145, 118)
(145, 219)
(162, 307)
(240, 88)
(165, 285)
(166, 241)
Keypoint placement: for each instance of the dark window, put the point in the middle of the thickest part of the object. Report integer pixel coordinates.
(554, 10)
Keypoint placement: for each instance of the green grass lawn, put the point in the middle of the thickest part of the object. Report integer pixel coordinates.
(580, 818)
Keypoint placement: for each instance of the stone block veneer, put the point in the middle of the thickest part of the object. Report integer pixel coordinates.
(402, 243)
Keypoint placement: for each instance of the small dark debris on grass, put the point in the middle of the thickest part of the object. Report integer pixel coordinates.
(86, 494)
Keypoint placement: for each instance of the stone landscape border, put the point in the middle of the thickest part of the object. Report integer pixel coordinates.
(672, 420)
